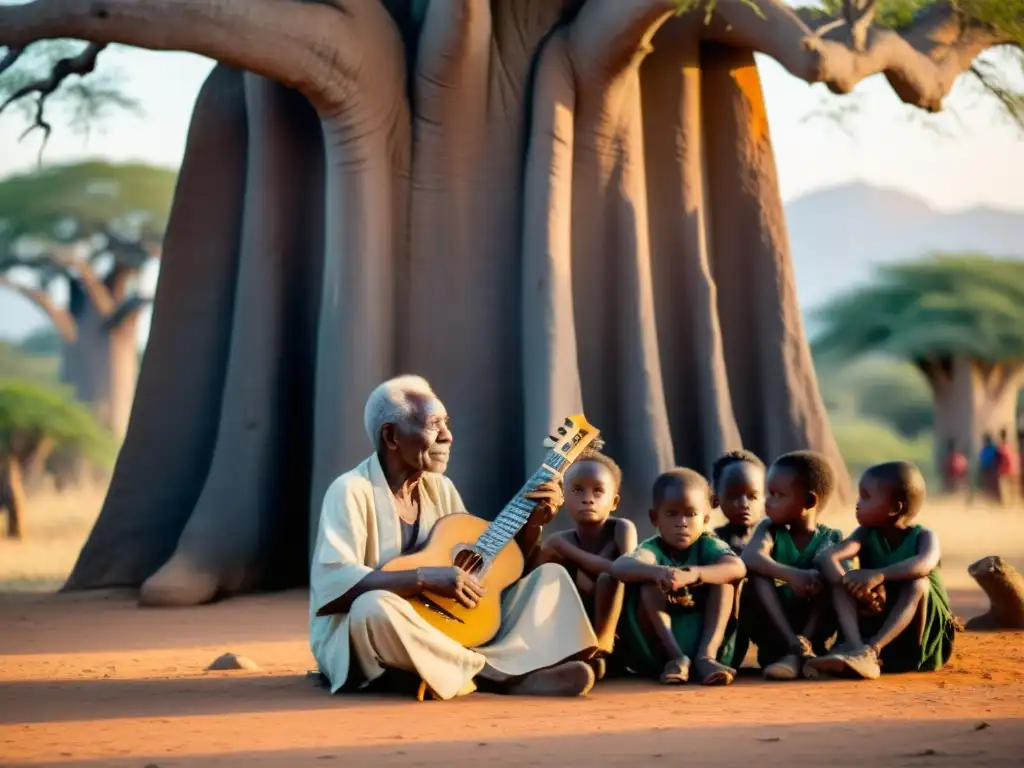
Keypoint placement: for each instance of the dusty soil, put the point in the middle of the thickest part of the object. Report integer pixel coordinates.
(91, 680)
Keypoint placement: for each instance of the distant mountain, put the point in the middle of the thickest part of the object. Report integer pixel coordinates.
(838, 234)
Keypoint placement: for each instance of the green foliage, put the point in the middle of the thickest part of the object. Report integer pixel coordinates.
(29, 413)
(16, 363)
(864, 442)
(884, 390)
(79, 102)
(931, 309)
(42, 342)
(91, 193)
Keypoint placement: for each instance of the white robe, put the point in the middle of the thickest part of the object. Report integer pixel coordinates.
(543, 620)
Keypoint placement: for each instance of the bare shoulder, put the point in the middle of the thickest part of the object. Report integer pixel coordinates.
(622, 526)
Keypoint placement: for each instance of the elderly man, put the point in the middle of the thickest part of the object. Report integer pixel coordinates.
(360, 622)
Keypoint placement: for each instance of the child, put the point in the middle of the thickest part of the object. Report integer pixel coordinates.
(737, 480)
(679, 602)
(587, 552)
(784, 613)
(914, 630)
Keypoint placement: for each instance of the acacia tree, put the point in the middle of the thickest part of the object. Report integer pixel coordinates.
(93, 227)
(534, 203)
(960, 320)
(31, 415)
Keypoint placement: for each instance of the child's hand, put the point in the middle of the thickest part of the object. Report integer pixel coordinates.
(674, 579)
(860, 582)
(806, 583)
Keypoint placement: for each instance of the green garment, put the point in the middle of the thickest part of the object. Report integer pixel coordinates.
(912, 650)
(755, 621)
(641, 654)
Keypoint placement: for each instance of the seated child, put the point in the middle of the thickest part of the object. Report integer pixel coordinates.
(681, 588)
(914, 628)
(785, 609)
(737, 482)
(588, 551)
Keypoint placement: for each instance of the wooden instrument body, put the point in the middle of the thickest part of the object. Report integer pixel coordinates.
(470, 627)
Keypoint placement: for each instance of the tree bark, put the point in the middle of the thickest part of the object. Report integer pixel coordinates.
(1005, 589)
(514, 199)
(972, 399)
(33, 463)
(14, 496)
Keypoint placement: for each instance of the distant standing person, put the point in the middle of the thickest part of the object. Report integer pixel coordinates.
(988, 478)
(955, 469)
(1007, 470)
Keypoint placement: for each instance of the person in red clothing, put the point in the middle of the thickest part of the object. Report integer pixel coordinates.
(1008, 469)
(955, 469)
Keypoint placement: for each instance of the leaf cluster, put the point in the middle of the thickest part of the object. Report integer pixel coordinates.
(30, 413)
(940, 307)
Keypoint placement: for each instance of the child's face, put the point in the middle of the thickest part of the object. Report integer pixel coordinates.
(875, 504)
(787, 498)
(682, 516)
(741, 493)
(590, 492)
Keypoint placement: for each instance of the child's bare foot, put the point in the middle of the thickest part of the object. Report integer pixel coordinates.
(676, 672)
(860, 663)
(711, 672)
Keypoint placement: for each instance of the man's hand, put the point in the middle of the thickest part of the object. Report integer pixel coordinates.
(860, 582)
(675, 579)
(549, 499)
(452, 581)
(806, 583)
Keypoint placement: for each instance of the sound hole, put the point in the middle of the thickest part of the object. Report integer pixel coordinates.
(469, 560)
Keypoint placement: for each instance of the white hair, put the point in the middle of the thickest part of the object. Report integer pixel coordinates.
(392, 403)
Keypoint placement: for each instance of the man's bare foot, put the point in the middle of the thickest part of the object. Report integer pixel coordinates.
(600, 667)
(573, 678)
(676, 672)
(711, 672)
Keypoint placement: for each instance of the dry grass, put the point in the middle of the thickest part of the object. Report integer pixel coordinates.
(57, 524)
(55, 528)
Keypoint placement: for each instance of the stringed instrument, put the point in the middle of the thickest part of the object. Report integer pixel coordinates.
(487, 550)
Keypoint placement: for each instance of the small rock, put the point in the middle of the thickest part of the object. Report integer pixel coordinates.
(982, 726)
(771, 738)
(233, 661)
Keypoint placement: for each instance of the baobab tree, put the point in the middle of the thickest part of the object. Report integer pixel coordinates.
(960, 320)
(93, 227)
(541, 205)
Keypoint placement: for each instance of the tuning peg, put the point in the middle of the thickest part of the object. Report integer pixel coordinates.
(568, 423)
(562, 431)
(550, 442)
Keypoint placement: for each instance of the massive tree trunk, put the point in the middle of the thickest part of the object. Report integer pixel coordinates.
(12, 495)
(972, 399)
(511, 198)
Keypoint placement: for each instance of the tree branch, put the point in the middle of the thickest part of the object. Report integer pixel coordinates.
(126, 310)
(92, 285)
(921, 64)
(608, 36)
(80, 64)
(305, 47)
(61, 319)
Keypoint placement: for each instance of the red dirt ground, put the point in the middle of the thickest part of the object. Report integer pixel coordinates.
(92, 680)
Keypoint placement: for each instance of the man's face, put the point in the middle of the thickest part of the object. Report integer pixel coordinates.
(424, 444)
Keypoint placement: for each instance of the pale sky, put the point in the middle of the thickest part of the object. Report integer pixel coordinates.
(982, 163)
